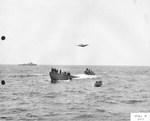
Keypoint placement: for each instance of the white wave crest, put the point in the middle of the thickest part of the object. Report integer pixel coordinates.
(84, 76)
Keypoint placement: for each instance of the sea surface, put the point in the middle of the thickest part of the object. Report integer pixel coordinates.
(29, 95)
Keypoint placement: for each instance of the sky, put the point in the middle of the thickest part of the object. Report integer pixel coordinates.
(47, 32)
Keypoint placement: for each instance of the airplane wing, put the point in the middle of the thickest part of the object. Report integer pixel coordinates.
(82, 45)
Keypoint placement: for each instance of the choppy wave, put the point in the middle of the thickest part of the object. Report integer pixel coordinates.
(6, 118)
(133, 101)
(85, 116)
(33, 97)
(100, 110)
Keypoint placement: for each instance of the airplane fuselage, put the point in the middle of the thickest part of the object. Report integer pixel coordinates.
(82, 45)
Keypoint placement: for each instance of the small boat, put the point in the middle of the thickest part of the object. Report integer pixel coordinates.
(89, 72)
(28, 64)
(98, 84)
(56, 75)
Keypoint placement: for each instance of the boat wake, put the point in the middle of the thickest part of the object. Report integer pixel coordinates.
(84, 76)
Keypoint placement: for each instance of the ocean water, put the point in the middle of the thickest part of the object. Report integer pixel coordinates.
(28, 94)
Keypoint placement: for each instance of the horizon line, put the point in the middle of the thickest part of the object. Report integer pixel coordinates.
(82, 65)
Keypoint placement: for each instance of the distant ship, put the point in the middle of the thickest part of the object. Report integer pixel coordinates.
(28, 64)
(56, 75)
(89, 72)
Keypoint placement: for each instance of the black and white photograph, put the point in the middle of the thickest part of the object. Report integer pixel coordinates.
(74, 60)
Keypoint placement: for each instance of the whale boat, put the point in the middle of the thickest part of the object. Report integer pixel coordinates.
(98, 84)
(89, 72)
(56, 75)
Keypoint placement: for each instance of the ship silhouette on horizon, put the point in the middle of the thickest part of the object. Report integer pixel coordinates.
(28, 64)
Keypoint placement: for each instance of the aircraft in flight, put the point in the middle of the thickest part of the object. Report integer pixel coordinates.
(83, 45)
